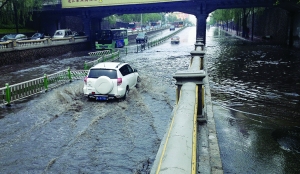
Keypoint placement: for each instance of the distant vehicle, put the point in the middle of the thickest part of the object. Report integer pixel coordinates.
(172, 27)
(129, 30)
(175, 39)
(155, 24)
(37, 36)
(178, 24)
(110, 80)
(63, 33)
(134, 25)
(142, 37)
(110, 39)
(13, 37)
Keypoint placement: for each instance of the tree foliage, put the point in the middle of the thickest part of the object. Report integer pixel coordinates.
(145, 18)
(227, 15)
(18, 11)
(172, 18)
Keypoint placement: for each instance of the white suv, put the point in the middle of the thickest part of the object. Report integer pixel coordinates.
(110, 80)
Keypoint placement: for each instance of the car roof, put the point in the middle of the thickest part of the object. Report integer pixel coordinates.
(108, 65)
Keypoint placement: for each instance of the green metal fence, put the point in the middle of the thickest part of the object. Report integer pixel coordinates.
(143, 46)
(100, 53)
(104, 58)
(11, 93)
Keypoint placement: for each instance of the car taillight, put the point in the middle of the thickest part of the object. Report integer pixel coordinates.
(85, 80)
(119, 81)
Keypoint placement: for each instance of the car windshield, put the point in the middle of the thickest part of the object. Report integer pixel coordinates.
(11, 36)
(58, 33)
(95, 73)
(8, 36)
(36, 35)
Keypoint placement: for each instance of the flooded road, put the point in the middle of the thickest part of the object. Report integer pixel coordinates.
(256, 94)
(62, 132)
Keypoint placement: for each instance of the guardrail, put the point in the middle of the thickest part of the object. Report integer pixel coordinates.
(143, 46)
(11, 93)
(14, 44)
(111, 57)
(15, 92)
(99, 53)
(178, 150)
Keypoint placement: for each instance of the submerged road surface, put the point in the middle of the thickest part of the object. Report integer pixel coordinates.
(62, 132)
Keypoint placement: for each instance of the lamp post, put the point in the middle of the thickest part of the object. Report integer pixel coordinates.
(141, 20)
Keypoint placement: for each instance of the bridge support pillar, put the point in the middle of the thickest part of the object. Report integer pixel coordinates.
(201, 26)
(87, 26)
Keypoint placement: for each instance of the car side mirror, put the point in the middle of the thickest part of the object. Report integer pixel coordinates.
(135, 70)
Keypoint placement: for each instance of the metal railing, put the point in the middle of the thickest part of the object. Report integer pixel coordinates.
(111, 57)
(12, 44)
(143, 46)
(100, 53)
(11, 93)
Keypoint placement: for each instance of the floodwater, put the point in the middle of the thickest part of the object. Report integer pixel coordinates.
(62, 132)
(256, 102)
(255, 94)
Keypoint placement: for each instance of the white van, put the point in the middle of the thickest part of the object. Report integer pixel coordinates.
(63, 33)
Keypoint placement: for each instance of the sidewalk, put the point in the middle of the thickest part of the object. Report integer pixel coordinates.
(255, 38)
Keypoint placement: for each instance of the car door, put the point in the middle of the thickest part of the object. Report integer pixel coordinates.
(131, 76)
(125, 74)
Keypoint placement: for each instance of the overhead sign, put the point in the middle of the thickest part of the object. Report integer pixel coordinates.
(93, 3)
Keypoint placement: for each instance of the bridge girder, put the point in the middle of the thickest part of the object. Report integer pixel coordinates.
(194, 7)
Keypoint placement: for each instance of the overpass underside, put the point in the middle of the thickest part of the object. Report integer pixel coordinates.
(92, 16)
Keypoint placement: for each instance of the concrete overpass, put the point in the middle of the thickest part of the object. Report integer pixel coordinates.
(92, 15)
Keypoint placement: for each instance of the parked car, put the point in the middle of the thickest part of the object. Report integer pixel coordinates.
(63, 33)
(37, 36)
(13, 37)
(172, 27)
(110, 80)
(142, 37)
(175, 39)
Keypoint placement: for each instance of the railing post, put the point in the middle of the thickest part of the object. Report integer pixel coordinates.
(46, 82)
(194, 76)
(7, 94)
(69, 74)
(85, 66)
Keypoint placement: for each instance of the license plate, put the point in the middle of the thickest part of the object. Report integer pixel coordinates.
(101, 98)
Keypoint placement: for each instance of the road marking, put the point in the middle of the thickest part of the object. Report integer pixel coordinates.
(194, 151)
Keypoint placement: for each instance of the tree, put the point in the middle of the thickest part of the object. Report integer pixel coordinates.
(172, 18)
(16, 12)
(237, 16)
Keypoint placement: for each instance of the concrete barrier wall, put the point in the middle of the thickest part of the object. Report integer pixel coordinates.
(175, 153)
(30, 54)
(178, 150)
